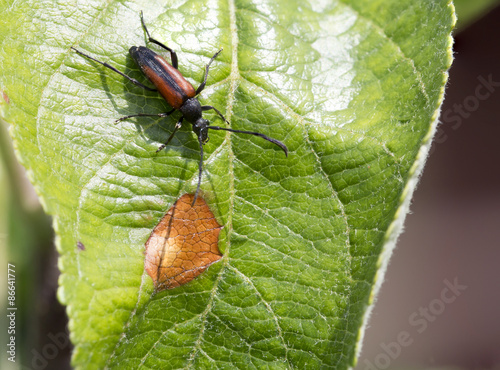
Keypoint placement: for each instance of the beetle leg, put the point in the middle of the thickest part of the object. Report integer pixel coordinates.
(173, 55)
(202, 86)
(208, 107)
(161, 115)
(270, 139)
(133, 80)
(177, 126)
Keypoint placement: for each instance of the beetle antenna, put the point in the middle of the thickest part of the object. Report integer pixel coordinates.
(270, 139)
(200, 168)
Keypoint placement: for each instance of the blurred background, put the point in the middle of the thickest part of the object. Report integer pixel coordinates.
(439, 305)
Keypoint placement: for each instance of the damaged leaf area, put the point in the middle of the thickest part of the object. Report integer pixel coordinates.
(183, 244)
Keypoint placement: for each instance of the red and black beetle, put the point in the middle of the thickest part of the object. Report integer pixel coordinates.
(178, 92)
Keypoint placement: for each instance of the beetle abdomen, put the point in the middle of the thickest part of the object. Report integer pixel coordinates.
(170, 83)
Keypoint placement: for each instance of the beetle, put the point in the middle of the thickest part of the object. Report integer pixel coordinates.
(178, 93)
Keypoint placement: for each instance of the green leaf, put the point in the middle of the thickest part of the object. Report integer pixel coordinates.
(353, 89)
(469, 11)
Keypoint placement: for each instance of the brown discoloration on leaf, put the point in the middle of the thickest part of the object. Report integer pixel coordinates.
(183, 244)
(5, 97)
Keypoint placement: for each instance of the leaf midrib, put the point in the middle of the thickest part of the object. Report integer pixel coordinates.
(234, 77)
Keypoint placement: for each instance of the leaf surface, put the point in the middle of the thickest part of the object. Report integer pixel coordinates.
(353, 88)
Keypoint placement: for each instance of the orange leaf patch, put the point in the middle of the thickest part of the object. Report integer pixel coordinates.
(183, 244)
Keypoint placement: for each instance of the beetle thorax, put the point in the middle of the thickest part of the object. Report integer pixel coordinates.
(191, 110)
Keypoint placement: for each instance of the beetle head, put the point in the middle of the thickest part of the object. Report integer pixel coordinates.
(200, 129)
